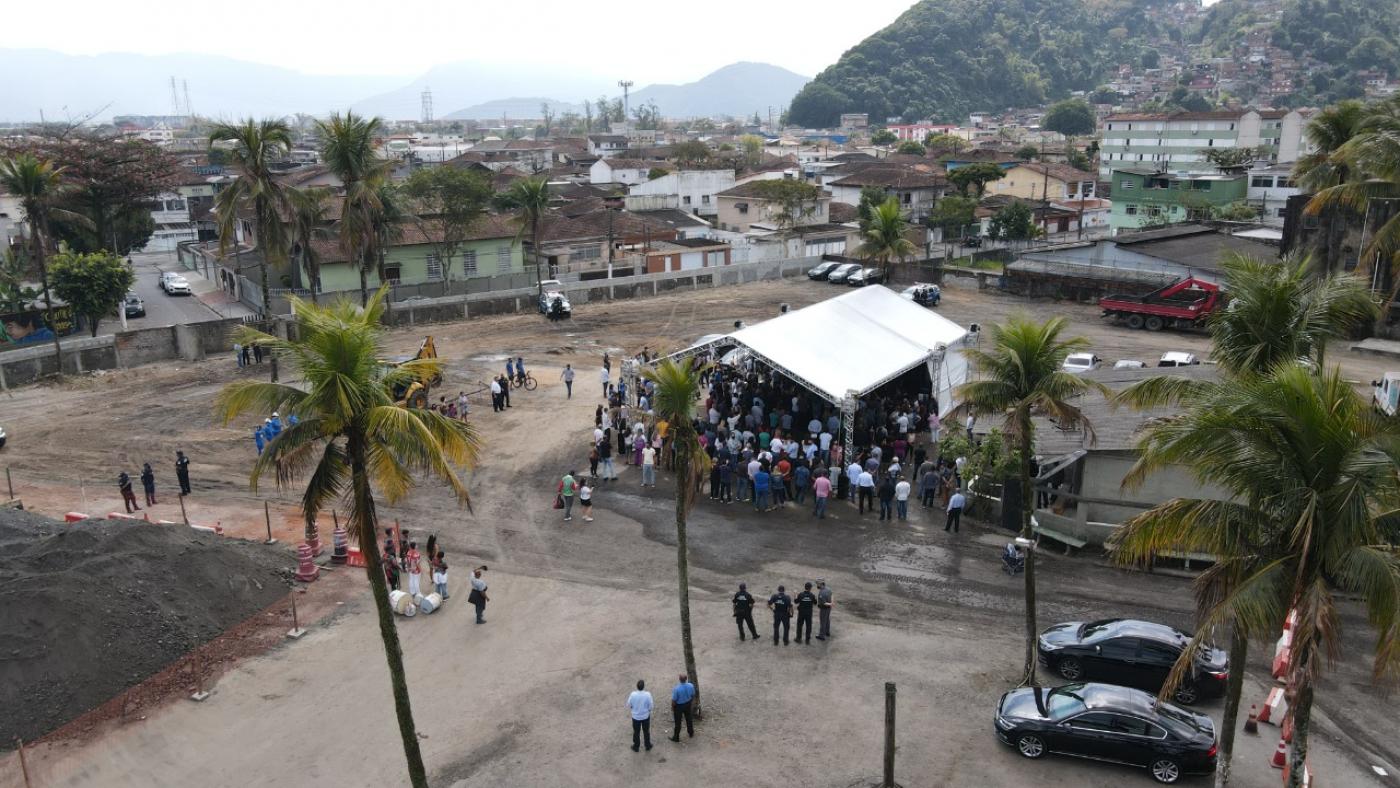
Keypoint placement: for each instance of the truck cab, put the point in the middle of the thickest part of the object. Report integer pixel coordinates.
(1385, 393)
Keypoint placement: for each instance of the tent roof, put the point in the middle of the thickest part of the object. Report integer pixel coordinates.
(854, 342)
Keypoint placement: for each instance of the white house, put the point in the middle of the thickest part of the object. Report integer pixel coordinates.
(606, 145)
(1268, 191)
(692, 191)
(624, 171)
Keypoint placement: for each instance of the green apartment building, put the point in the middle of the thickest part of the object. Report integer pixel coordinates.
(1143, 197)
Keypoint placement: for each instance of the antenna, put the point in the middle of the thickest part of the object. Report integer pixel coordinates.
(188, 109)
(427, 105)
(174, 98)
(626, 85)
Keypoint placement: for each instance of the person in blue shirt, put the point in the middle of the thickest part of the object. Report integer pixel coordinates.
(510, 369)
(520, 369)
(258, 438)
(801, 479)
(274, 425)
(292, 420)
(682, 699)
(761, 480)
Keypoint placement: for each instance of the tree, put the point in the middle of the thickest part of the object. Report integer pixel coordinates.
(690, 153)
(444, 203)
(348, 149)
(952, 213)
(547, 115)
(351, 439)
(1278, 315)
(883, 137)
(587, 116)
(797, 200)
(1227, 158)
(1237, 212)
(752, 146)
(944, 144)
(1027, 152)
(677, 388)
(93, 284)
(310, 223)
(818, 106)
(1310, 472)
(883, 239)
(911, 147)
(112, 181)
(648, 115)
(1071, 117)
(975, 175)
(15, 294)
(1326, 133)
(870, 197)
(40, 187)
(1020, 377)
(255, 146)
(1015, 222)
(531, 197)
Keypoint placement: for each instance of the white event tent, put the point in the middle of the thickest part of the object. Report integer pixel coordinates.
(846, 347)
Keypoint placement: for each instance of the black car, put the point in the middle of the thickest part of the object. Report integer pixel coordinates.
(972, 241)
(1104, 722)
(821, 271)
(1134, 654)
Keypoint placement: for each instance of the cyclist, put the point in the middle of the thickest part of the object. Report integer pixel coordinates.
(520, 369)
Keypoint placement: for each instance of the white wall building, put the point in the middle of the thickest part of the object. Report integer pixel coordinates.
(1268, 191)
(1178, 142)
(694, 190)
(625, 171)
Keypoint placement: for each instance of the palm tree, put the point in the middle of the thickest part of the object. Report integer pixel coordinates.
(530, 196)
(1022, 377)
(1310, 475)
(883, 236)
(348, 149)
(677, 387)
(1278, 314)
(39, 186)
(256, 145)
(1326, 133)
(310, 210)
(351, 439)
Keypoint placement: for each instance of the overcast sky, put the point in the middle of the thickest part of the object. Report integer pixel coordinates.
(653, 40)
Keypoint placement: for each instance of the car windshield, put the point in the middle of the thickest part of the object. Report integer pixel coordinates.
(1096, 629)
(1064, 701)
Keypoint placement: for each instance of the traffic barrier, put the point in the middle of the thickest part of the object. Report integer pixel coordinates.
(338, 554)
(402, 603)
(307, 571)
(73, 517)
(353, 557)
(1288, 729)
(429, 603)
(120, 516)
(1282, 658)
(213, 529)
(1275, 707)
(1280, 756)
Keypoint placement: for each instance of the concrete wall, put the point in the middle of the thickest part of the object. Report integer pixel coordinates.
(122, 350)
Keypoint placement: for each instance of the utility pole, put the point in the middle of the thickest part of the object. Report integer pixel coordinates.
(626, 85)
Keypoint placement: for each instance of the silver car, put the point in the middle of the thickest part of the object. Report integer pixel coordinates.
(174, 284)
(839, 274)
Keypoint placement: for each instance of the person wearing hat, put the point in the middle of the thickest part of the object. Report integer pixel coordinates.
(743, 612)
(276, 423)
(824, 610)
(805, 602)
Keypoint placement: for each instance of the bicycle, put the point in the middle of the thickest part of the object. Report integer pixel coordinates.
(528, 383)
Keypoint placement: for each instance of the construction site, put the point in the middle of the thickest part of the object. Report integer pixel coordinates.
(155, 650)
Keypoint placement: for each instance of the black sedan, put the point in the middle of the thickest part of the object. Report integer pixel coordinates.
(821, 271)
(1134, 654)
(1103, 722)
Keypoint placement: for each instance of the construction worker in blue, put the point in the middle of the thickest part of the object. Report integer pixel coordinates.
(275, 425)
(258, 438)
(520, 369)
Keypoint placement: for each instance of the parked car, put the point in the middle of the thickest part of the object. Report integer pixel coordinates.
(972, 241)
(923, 294)
(1128, 363)
(174, 284)
(867, 275)
(1132, 653)
(1173, 358)
(1103, 722)
(1081, 362)
(553, 290)
(838, 275)
(134, 306)
(1385, 393)
(821, 270)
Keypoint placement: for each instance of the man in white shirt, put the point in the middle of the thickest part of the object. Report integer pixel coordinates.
(496, 405)
(603, 376)
(824, 445)
(901, 498)
(903, 423)
(639, 706)
(853, 477)
(648, 467)
(955, 507)
(866, 483)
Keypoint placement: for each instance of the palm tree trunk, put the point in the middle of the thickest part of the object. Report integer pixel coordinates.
(1239, 654)
(683, 493)
(539, 280)
(366, 527)
(40, 229)
(1302, 724)
(267, 295)
(1027, 501)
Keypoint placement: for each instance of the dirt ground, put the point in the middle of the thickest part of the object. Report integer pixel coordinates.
(581, 610)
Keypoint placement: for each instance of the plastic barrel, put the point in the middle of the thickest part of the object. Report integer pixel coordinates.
(402, 603)
(429, 603)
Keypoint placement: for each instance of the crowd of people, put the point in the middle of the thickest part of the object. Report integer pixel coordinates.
(405, 564)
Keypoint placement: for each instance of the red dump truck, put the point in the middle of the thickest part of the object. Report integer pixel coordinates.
(1181, 304)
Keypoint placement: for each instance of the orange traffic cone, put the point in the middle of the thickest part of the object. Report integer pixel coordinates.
(1280, 755)
(1251, 723)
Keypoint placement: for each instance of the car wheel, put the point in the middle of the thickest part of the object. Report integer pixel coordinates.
(1165, 770)
(1154, 323)
(1186, 694)
(1070, 668)
(1135, 321)
(1030, 745)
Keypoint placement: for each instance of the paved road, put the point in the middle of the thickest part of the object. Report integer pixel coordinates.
(161, 309)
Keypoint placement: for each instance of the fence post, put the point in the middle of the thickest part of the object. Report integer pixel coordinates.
(23, 765)
(9, 483)
(889, 735)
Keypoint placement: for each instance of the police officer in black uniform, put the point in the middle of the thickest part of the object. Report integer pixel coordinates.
(743, 612)
(781, 605)
(182, 472)
(805, 602)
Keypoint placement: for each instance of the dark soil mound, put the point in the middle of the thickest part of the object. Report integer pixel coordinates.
(91, 608)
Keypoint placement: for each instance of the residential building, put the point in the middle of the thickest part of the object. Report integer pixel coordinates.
(1143, 197)
(686, 255)
(692, 191)
(1179, 141)
(605, 145)
(1002, 159)
(855, 121)
(1036, 181)
(491, 250)
(11, 220)
(1269, 190)
(619, 170)
(915, 190)
(600, 239)
(916, 132)
(749, 203)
